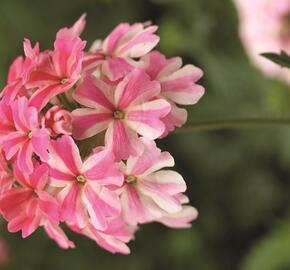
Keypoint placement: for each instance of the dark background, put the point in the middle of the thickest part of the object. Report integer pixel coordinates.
(238, 179)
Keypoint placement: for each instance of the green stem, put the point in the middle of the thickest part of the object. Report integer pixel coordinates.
(64, 101)
(233, 123)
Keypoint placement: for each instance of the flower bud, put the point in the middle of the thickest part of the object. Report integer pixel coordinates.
(58, 121)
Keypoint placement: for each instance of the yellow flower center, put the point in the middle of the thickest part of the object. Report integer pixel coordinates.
(131, 179)
(81, 179)
(119, 114)
(29, 135)
(64, 80)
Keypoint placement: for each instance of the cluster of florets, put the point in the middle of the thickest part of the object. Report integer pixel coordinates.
(77, 137)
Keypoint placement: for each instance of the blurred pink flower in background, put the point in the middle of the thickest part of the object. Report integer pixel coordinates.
(5, 255)
(265, 27)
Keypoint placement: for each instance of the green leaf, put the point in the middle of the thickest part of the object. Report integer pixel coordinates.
(282, 59)
(272, 252)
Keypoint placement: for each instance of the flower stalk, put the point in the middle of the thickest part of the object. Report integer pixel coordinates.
(234, 123)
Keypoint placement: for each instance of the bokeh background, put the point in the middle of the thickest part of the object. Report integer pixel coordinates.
(239, 179)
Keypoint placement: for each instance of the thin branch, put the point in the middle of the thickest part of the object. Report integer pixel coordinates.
(234, 123)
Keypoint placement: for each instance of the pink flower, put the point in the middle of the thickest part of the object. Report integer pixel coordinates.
(85, 185)
(28, 206)
(58, 71)
(178, 85)
(264, 27)
(124, 111)
(28, 138)
(19, 73)
(58, 121)
(113, 239)
(148, 192)
(121, 46)
(5, 252)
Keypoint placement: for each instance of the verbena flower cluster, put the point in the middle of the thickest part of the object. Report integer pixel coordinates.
(77, 137)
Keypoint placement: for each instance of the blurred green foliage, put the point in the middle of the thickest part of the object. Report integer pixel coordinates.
(238, 179)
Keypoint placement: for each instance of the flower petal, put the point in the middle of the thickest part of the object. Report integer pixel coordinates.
(72, 207)
(58, 235)
(116, 68)
(94, 93)
(89, 122)
(180, 86)
(150, 160)
(40, 141)
(135, 88)
(145, 118)
(122, 141)
(181, 219)
(64, 156)
(101, 167)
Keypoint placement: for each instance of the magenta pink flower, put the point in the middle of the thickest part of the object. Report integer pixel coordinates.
(149, 192)
(58, 71)
(19, 73)
(124, 111)
(28, 138)
(28, 206)
(178, 85)
(85, 185)
(121, 46)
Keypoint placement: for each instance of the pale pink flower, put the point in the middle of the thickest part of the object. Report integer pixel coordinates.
(264, 27)
(85, 185)
(28, 138)
(58, 121)
(178, 85)
(28, 206)
(149, 192)
(121, 46)
(113, 239)
(124, 111)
